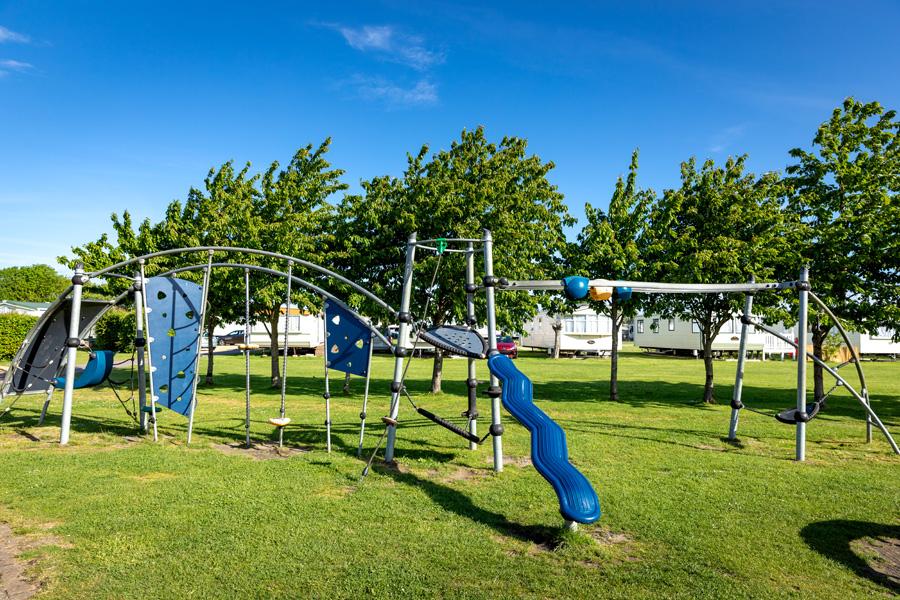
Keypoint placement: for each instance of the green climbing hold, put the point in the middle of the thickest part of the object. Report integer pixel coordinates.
(441, 245)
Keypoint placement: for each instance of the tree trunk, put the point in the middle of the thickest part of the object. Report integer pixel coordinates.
(274, 317)
(708, 397)
(557, 333)
(346, 389)
(819, 335)
(210, 337)
(614, 356)
(437, 371)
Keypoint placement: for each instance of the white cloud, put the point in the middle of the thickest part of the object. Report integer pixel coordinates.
(7, 35)
(379, 89)
(724, 138)
(392, 45)
(7, 66)
(15, 65)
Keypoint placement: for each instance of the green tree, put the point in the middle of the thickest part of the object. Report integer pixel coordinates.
(721, 225)
(36, 283)
(280, 211)
(291, 215)
(474, 185)
(608, 248)
(846, 194)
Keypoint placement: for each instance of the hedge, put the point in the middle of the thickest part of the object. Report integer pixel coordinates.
(115, 331)
(13, 329)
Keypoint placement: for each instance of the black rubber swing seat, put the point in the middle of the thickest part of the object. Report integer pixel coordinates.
(789, 416)
(456, 340)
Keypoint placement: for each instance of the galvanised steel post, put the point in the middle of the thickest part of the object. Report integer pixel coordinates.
(736, 404)
(72, 343)
(496, 425)
(405, 319)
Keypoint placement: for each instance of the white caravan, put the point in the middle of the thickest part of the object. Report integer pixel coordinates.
(583, 331)
(305, 331)
(657, 334)
(880, 344)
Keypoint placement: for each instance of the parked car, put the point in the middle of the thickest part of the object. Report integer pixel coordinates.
(506, 345)
(231, 338)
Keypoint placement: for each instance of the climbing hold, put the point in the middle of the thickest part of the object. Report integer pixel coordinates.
(622, 293)
(575, 287)
(601, 293)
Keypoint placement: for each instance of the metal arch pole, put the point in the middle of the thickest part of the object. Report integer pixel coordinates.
(212, 249)
(841, 381)
(287, 323)
(362, 415)
(71, 353)
(739, 373)
(472, 380)
(856, 360)
(399, 350)
(297, 280)
(200, 329)
(153, 398)
(140, 342)
(801, 364)
(247, 353)
(488, 245)
(327, 395)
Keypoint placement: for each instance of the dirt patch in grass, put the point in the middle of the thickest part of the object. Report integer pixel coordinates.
(511, 461)
(16, 583)
(260, 451)
(458, 474)
(882, 555)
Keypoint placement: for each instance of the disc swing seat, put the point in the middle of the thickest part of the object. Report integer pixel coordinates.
(282, 421)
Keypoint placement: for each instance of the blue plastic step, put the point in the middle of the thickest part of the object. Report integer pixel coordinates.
(577, 499)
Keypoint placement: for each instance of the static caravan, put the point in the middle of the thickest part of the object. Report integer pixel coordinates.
(657, 334)
(583, 332)
(880, 344)
(306, 330)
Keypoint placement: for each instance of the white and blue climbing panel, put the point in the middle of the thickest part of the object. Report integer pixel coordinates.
(173, 321)
(347, 340)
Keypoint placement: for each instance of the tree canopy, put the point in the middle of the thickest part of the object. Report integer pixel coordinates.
(608, 247)
(35, 283)
(721, 225)
(845, 193)
(474, 185)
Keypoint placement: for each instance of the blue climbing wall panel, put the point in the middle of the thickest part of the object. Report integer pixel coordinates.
(173, 322)
(347, 340)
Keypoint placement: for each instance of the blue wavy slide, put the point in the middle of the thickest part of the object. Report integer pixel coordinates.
(577, 499)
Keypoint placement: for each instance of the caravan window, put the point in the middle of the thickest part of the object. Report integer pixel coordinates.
(640, 326)
(568, 324)
(728, 327)
(655, 326)
(593, 323)
(883, 333)
(580, 323)
(695, 327)
(671, 324)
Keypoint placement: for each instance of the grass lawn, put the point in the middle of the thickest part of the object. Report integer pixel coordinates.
(685, 514)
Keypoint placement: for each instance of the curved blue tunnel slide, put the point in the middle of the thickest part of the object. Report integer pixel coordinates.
(577, 499)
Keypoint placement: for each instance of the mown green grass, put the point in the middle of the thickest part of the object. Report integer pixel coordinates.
(686, 514)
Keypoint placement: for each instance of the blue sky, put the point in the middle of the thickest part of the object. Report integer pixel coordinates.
(126, 105)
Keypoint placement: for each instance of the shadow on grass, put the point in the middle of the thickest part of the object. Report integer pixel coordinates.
(833, 540)
(458, 503)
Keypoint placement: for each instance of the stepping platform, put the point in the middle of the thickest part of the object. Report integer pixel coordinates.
(789, 416)
(456, 340)
(280, 421)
